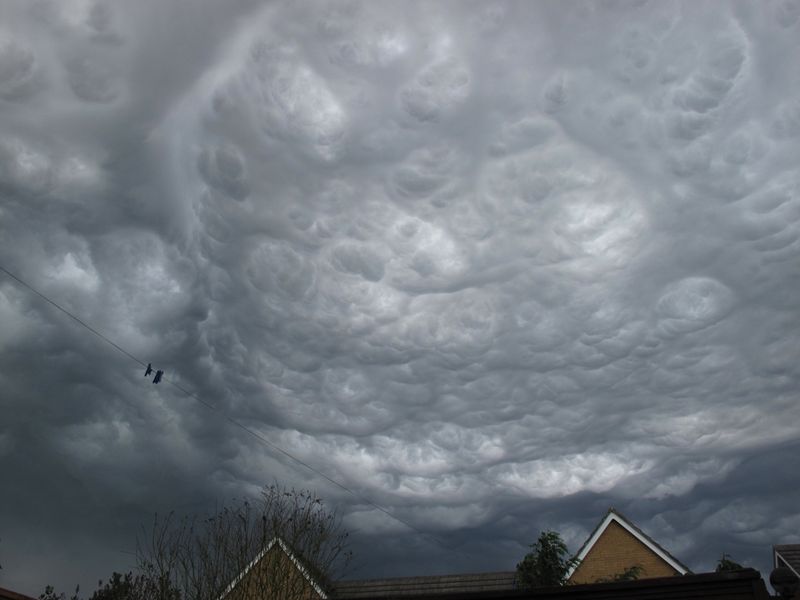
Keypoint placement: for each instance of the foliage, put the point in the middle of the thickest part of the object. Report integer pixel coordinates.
(138, 587)
(118, 587)
(50, 594)
(121, 587)
(547, 563)
(630, 574)
(726, 564)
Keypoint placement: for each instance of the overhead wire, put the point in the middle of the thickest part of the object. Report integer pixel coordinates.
(233, 421)
(70, 315)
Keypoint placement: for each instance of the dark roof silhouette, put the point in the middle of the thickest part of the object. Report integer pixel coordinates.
(9, 595)
(739, 585)
(789, 555)
(426, 585)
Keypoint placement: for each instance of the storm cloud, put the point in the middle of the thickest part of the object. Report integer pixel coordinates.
(494, 267)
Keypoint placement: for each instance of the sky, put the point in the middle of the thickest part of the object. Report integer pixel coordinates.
(494, 267)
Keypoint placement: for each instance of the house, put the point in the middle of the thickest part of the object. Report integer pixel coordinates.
(787, 555)
(615, 546)
(279, 573)
(740, 585)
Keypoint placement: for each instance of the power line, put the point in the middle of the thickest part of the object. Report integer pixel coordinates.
(70, 315)
(230, 419)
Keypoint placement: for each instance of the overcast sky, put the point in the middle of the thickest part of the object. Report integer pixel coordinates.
(493, 266)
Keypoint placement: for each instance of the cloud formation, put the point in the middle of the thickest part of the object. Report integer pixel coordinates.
(494, 266)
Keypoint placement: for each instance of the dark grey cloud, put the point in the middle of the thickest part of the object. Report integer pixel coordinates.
(493, 266)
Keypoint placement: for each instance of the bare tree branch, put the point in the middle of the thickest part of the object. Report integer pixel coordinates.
(284, 546)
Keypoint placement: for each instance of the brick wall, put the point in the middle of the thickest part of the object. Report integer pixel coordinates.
(615, 551)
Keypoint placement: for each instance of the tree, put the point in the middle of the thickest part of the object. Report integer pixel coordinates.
(198, 558)
(50, 594)
(134, 587)
(726, 564)
(547, 563)
(285, 535)
(120, 587)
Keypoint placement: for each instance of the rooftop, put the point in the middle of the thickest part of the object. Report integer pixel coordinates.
(427, 585)
(740, 585)
(790, 555)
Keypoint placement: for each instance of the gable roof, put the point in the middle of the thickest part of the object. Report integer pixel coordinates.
(613, 516)
(433, 584)
(789, 555)
(276, 541)
(9, 595)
